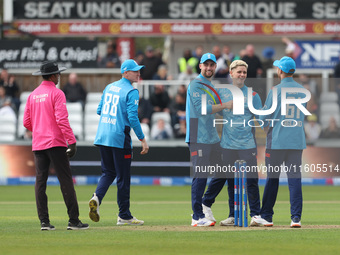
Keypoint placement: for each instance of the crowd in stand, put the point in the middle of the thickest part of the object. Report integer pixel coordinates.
(172, 102)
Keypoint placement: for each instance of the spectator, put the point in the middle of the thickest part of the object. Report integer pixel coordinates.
(267, 54)
(144, 110)
(178, 115)
(186, 59)
(312, 105)
(309, 84)
(253, 61)
(152, 62)
(332, 131)
(162, 74)
(11, 87)
(337, 70)
(161, 130)
(27, 135)
(312, 128)
(6, 105)
(111, 59)
(139, 57)
(74, 90)
(4, 99)
(222, 68)
(240, 55)
(160, 99)
(182, 90)
(227, 55)
(198, 54)
(290, 47)
(254, 71)
(159, 54)
(188, 75)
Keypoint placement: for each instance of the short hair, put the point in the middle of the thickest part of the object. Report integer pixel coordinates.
(46, 77)
(237, 63)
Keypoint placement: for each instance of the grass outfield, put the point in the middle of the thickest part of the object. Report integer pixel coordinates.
(166, 212)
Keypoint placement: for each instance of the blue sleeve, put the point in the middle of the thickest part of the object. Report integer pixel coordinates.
(132, 101)
(196, 98)
(99, 109)
(267, 105)
(257, 103)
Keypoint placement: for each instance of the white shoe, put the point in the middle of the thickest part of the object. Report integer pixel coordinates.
(228, 222)
(134, 221)
(94, 208)
(253, 223)
(193, 222)
(296, 223)
(262, 222)
(208, 213)
(204, 222)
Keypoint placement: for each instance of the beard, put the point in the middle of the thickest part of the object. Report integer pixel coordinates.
(208, 76)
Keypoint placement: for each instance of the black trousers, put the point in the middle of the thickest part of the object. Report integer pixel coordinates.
(58, 158)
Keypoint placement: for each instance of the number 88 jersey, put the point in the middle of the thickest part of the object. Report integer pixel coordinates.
(118, 110)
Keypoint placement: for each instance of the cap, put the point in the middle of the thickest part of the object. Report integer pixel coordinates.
(149, 48)
(312, 117)
(208, 56)
(268, 52)
(49, 67)
(286, 64)
(130, 65)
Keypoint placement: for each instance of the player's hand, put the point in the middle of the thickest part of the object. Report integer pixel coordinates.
(145, 147)
(228, 105)
(71, 151)
(266, 129)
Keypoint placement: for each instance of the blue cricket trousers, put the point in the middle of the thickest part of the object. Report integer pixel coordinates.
(292, 161)
(116, 162)
(216, 185)
(202, 156)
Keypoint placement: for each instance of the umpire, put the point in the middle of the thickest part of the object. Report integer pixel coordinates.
(47, 117)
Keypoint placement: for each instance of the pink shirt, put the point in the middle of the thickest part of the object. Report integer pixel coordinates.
(47, 117)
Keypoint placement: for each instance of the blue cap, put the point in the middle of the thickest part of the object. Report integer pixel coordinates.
(268, 52)
(286, 64)
(208, 56)
(130, 65)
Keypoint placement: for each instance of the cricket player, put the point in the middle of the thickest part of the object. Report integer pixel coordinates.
(201, 136)
(285, 143)
(238, 143)
(118, 110)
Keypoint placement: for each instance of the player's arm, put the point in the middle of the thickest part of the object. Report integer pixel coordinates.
(267, 105)
(227, 102)
(132, 112)
(99, 109)
(27, 116)
(257, 103)
(219, 107)
(61, 117)
(196, 96)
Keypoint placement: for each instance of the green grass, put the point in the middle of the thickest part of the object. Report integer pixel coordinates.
(166, 211)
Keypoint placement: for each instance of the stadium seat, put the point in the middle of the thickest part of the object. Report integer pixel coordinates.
(93, 97)
(21, 129)
(7, 128)
(160, 115)
(328, 97)
(146, 131)
(75, 116)
(329, 109)
(24, 95)
(91, 120)
(324, 119)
